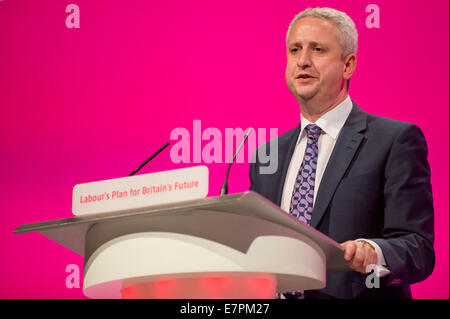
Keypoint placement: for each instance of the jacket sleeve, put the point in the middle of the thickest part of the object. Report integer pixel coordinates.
(408, 230)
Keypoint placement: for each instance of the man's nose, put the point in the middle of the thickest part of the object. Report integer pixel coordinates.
(304, 59)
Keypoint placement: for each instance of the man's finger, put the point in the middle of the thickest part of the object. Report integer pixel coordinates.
(368, 259)
(350, 249)
(346, 243)
(371, 257)
(360, 256)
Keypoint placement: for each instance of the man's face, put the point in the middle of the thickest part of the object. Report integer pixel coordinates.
(315, 68)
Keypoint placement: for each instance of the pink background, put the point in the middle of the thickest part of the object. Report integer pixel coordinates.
(80, 105)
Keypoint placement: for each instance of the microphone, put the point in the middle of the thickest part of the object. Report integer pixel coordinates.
(149, 159)
(224, 189)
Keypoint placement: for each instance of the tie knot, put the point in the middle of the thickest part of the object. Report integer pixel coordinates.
(313, 131)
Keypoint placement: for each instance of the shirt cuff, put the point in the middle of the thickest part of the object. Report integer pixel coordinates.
(380, 268)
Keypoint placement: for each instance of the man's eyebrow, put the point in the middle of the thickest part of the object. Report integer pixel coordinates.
(313, 43)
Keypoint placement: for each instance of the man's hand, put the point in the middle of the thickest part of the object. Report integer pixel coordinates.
(359, 254)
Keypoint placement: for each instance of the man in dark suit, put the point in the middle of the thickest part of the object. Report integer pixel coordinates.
(361, 179)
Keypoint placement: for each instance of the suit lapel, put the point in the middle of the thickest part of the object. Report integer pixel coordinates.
(286, 148)
(345, 149)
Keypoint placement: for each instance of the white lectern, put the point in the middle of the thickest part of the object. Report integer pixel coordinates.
(234, 246)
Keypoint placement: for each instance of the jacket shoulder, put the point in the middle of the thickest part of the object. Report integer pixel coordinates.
(388, 126)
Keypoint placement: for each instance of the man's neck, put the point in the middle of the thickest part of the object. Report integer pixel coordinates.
(312, 110)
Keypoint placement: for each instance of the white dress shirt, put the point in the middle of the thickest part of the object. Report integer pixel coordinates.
(331, 124)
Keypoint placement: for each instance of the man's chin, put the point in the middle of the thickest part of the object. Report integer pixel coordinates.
(305, 94)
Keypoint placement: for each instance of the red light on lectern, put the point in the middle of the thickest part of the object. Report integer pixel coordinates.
(163, 289)
(214, 287)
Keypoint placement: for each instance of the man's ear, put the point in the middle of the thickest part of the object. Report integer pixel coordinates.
(349, 66)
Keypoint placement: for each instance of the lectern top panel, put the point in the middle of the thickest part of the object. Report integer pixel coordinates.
(71, 232)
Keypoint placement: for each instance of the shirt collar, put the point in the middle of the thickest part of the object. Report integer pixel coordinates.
(331, 122)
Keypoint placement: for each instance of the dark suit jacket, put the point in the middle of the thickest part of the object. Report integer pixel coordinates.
(376, 186)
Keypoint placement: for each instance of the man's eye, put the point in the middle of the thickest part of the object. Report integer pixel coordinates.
(318, 49)
(294, 50)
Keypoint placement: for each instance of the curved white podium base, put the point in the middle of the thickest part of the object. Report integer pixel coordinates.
(176, 264)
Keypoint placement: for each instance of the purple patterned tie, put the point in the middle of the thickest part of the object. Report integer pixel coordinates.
(303, 194)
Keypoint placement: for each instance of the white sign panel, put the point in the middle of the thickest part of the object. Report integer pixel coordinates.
(140, 191)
